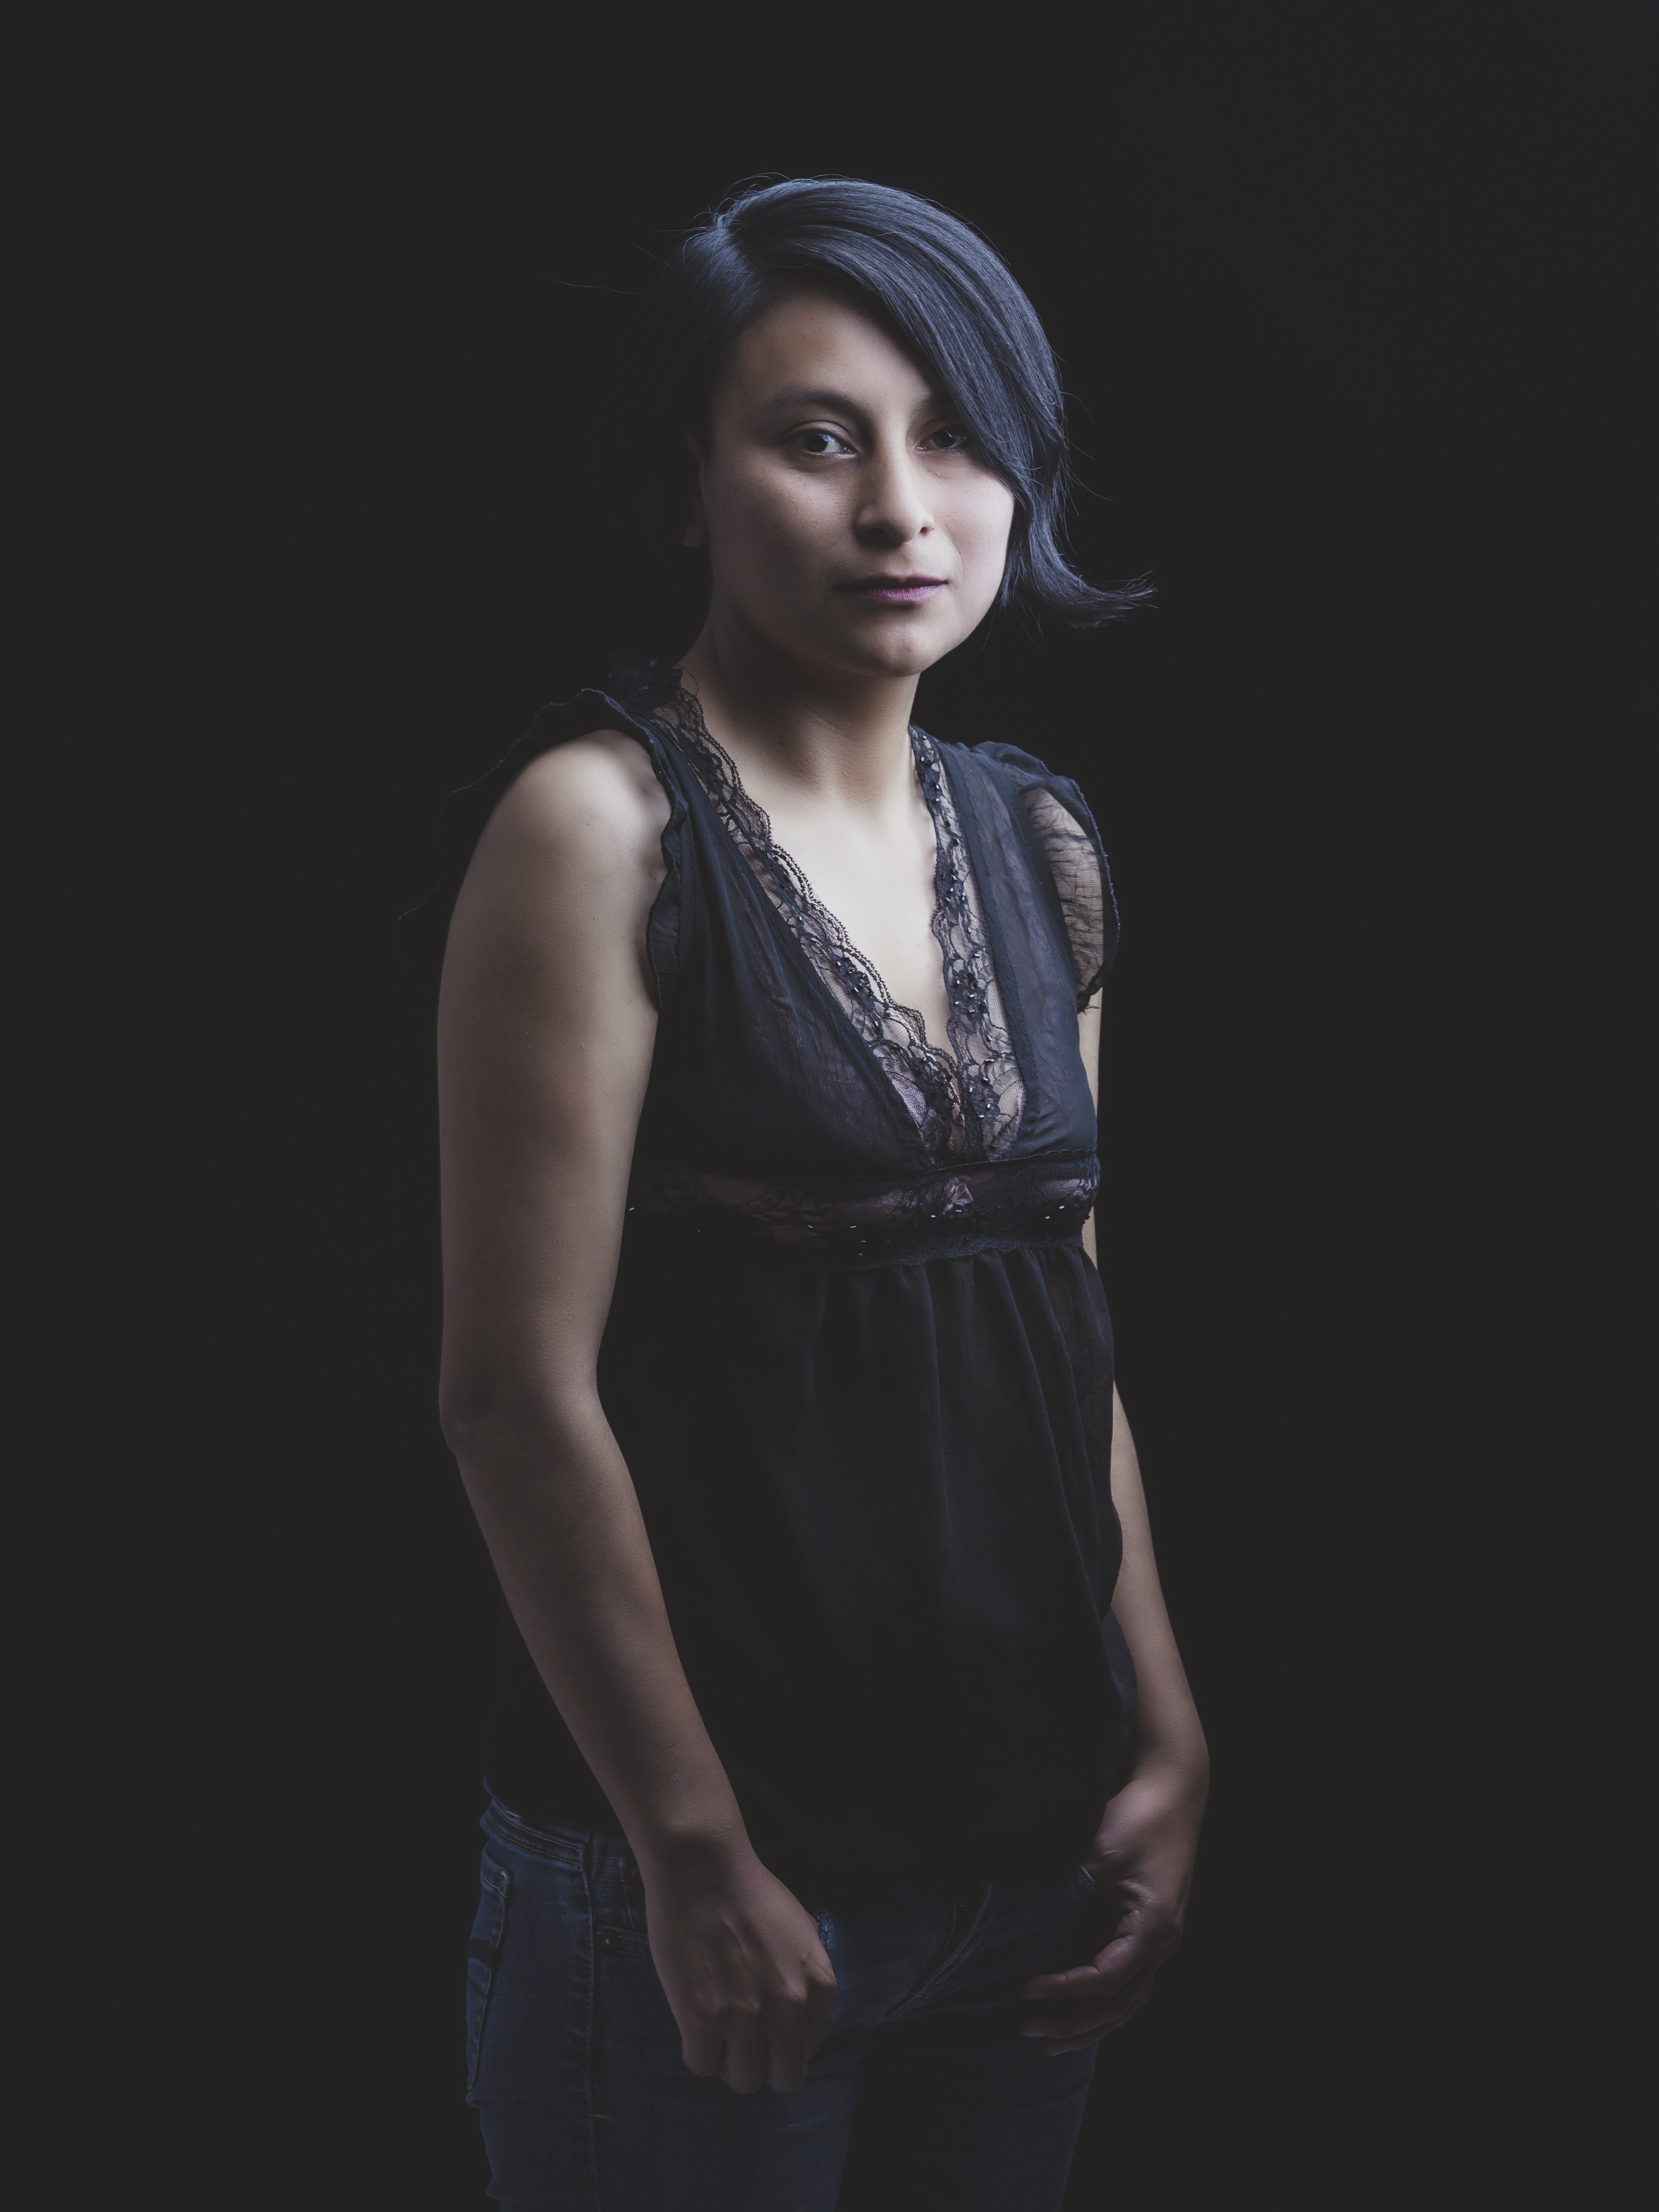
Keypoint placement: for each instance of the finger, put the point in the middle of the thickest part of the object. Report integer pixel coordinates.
(743, 2062)
(1079, 2039)
(1089, 2020)
(1076, 1981)
(796, 2029)
(1087, 1976)
(1124, 1956)
(702, 2049)
(1058, 2034)
(820, 2004)
(785, 2047)
(786, 2064)
(1087, 1982)
(1088, 2027)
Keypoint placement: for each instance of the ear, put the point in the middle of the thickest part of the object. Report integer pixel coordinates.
(696, 529)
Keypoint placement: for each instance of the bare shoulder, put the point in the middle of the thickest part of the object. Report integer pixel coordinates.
(594, 802)
(567, 866)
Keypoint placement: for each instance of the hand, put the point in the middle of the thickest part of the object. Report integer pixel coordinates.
(739, 1956)
(1141, 1860)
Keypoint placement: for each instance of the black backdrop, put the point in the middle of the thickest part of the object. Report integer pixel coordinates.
(325, 311)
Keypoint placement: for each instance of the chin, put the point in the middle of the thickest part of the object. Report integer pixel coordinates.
(909, 654)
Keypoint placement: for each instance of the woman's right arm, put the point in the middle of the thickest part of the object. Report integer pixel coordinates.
(545, 1028)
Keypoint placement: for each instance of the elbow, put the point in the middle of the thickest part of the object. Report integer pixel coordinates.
(497, 1425)
(472, 1421)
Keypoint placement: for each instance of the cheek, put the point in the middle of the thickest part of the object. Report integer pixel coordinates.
(764, 525)
(980, 526)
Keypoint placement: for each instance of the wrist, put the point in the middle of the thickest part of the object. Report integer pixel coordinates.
(1177, 1769)
(688, 1848)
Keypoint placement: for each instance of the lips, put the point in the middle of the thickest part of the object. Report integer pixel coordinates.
(895, 591)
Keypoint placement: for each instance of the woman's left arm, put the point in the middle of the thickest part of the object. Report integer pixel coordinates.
(1143, 1853)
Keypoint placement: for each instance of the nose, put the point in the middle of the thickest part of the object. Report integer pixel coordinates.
(893, 506)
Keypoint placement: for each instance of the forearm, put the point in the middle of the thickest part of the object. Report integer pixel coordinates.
(1168, 1732)
(559, 1513)
(1146, 1842)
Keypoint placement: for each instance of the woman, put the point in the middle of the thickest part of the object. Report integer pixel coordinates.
(845, 1785)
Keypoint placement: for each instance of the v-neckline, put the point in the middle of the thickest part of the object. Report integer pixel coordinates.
(804, 917)
(793, 868)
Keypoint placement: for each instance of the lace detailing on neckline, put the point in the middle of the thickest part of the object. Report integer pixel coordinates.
(986, 1066)
(968, 1110)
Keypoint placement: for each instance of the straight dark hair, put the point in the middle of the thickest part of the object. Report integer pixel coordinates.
(945, 295)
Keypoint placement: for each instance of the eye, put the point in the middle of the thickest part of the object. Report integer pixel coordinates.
(820, 445)
(951, 438)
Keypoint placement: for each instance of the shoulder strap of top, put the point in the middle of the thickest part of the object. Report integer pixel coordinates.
(1064, 832)
(423, 931)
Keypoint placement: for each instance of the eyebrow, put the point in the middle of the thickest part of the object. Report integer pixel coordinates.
(807, 395)
(836, 403)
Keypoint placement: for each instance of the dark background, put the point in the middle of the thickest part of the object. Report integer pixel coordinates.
(324, 307)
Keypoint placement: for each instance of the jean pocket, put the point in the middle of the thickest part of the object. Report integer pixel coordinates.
(1085, 1881)
(483, 1958)
(623, 1942)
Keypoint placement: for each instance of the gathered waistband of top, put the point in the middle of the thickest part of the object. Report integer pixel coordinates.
(977, 1205)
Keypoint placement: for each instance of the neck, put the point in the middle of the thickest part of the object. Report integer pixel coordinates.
(832, 734)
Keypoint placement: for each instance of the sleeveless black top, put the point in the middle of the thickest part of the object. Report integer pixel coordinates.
(857, 1360)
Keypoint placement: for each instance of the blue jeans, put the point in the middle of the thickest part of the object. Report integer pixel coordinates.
(923, 2096)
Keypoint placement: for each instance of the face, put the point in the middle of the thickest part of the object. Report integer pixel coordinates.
(849, 523)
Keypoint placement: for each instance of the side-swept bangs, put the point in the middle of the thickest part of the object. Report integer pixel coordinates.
(945, 295)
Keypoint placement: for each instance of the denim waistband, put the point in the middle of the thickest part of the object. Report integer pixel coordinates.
(564, 1840)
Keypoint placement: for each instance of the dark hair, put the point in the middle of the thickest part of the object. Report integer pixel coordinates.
(945, 295)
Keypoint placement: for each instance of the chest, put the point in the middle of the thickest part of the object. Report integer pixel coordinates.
(939, 914)
(877, 883)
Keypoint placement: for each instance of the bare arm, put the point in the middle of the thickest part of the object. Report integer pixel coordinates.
(1148, 1837)
(1167, 1730)
(545, 1031)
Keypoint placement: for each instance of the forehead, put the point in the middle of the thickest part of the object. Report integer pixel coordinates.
(815, 343)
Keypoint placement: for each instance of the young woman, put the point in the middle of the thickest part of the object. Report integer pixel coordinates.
(845, 1780)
